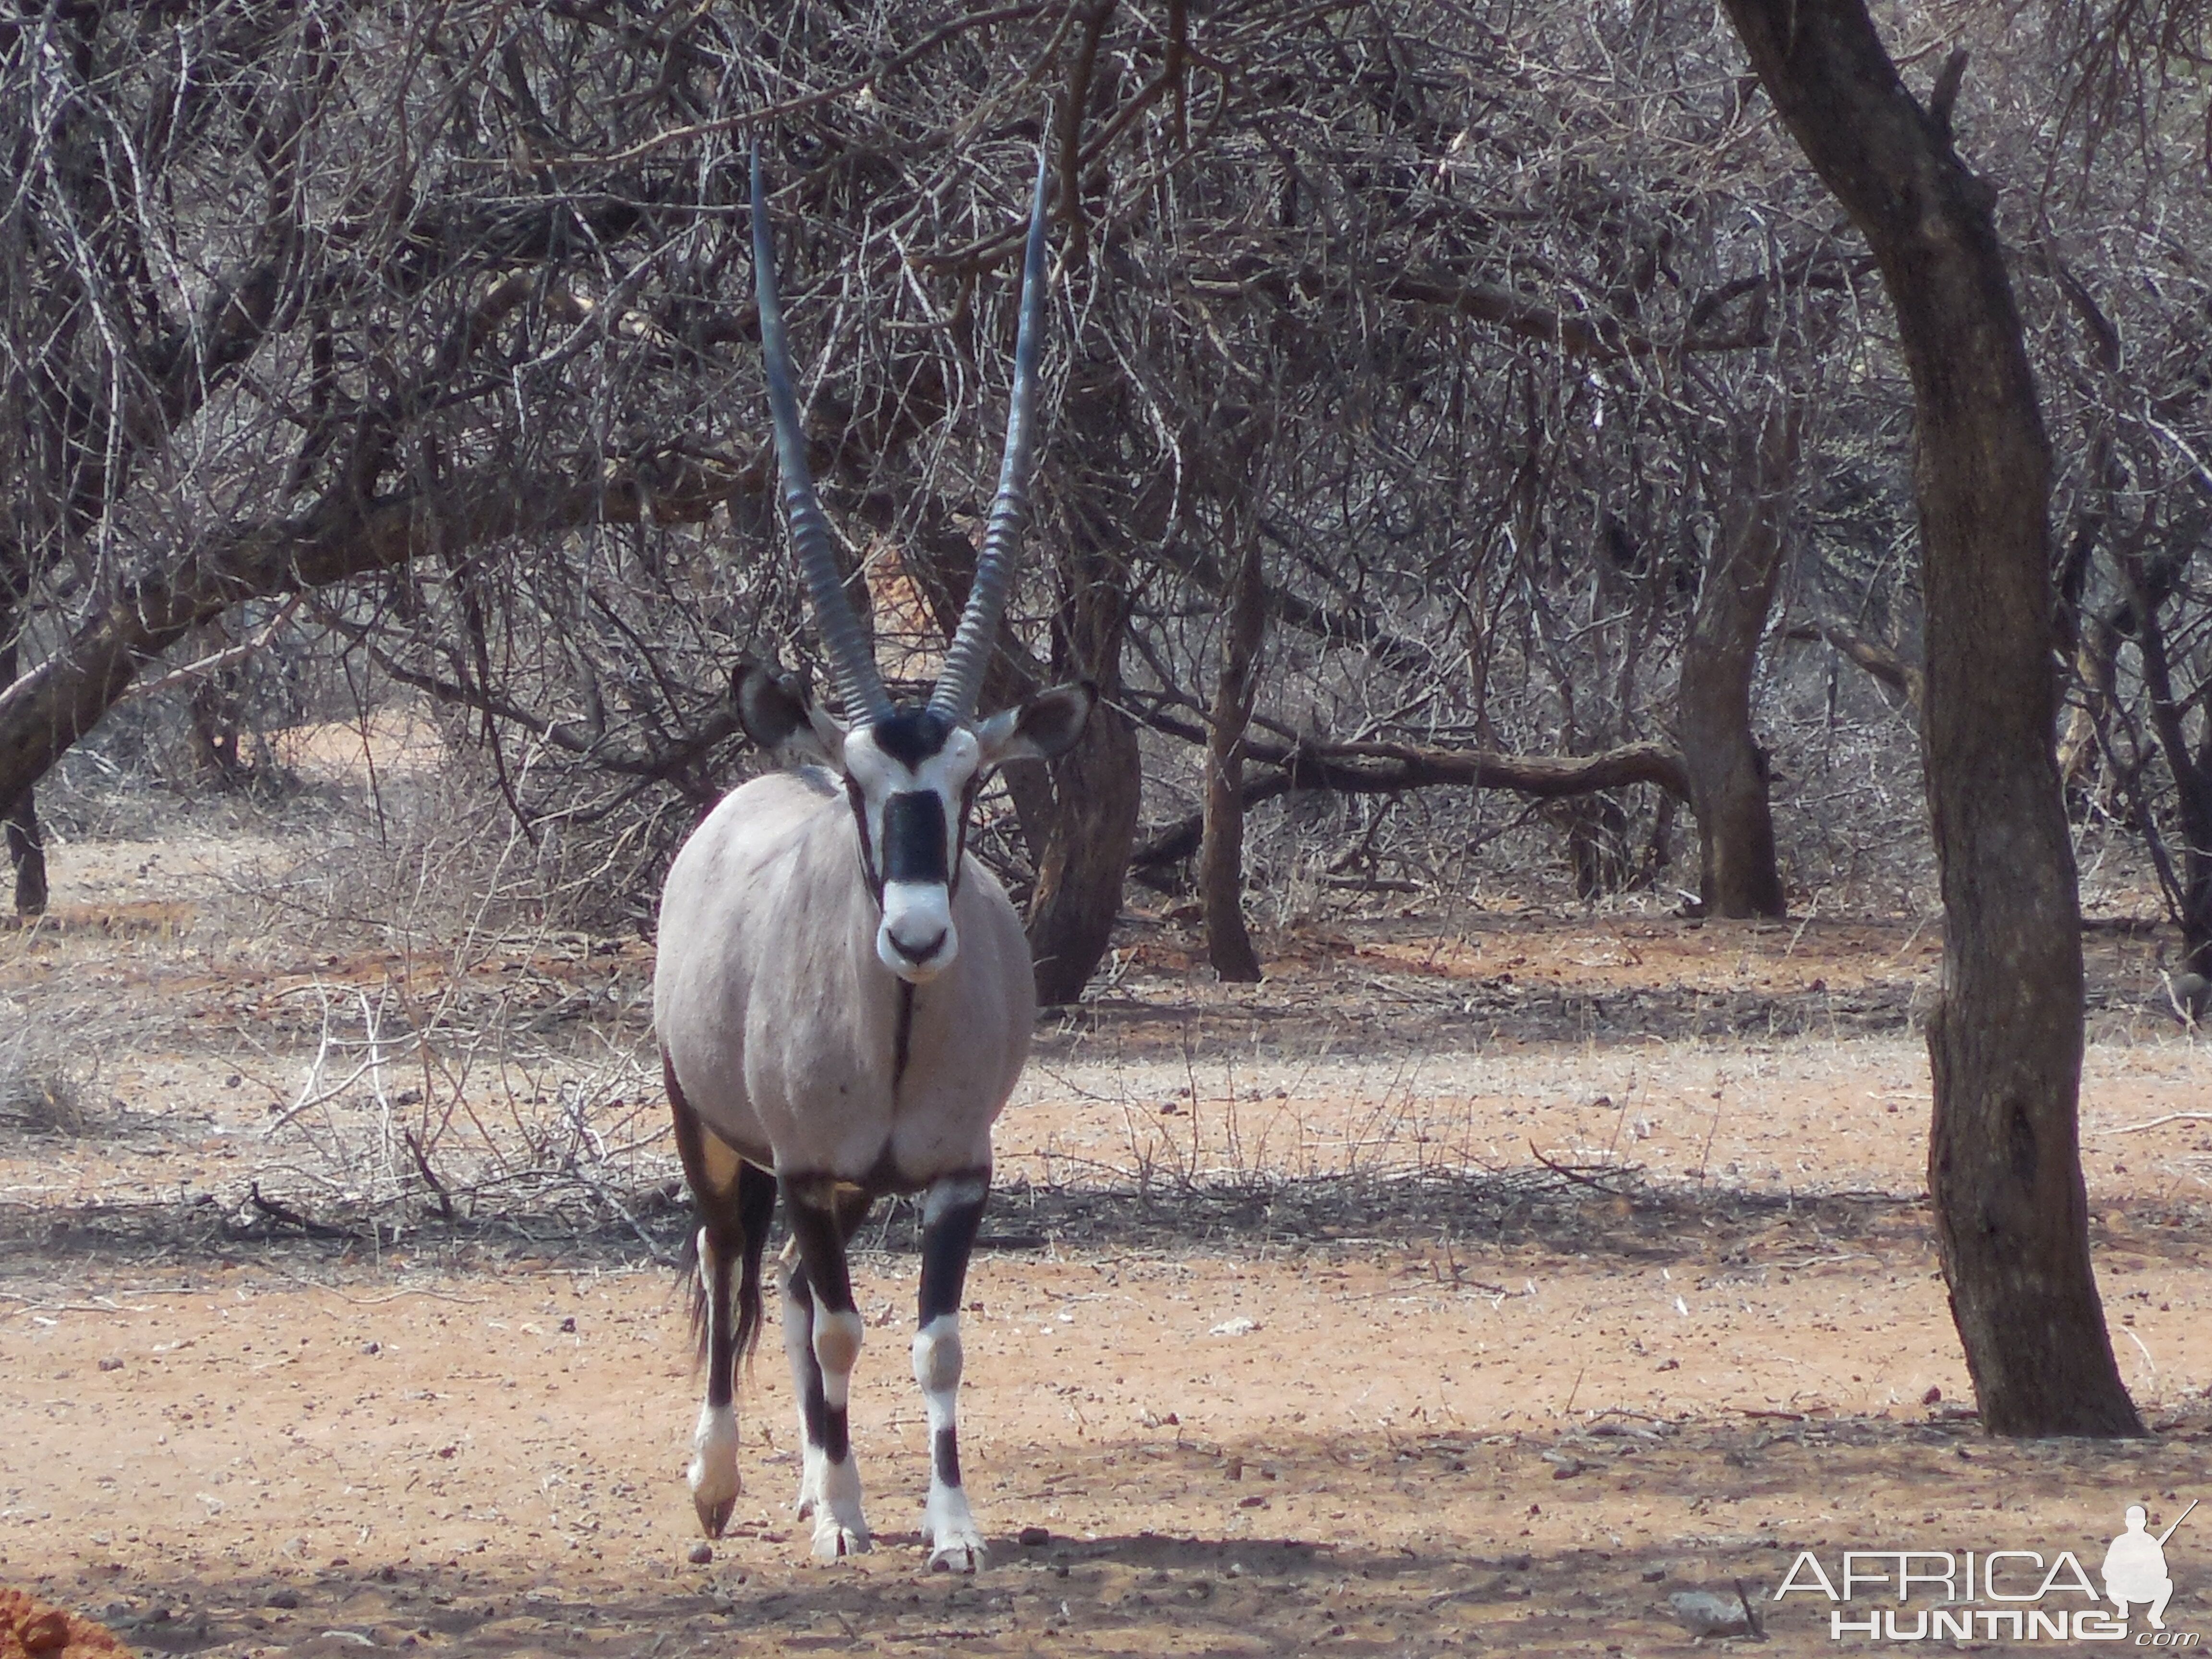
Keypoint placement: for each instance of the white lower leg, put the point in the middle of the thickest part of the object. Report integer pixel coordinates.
(713, 1472)
(955, 1540)
(839, 1527)
(799, 1348)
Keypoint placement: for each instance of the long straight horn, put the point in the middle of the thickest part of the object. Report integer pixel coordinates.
(961, 680)
(859, 686)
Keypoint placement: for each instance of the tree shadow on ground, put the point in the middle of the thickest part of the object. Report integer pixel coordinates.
(1608, 1215)
(1608, 1534)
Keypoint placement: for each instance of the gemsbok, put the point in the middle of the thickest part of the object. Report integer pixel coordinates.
(842, 995)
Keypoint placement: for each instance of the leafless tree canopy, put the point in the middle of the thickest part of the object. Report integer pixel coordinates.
(411, 348)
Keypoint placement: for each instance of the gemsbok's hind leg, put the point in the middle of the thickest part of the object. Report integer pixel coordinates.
(735, 1202)
(822, 1334)
(951, 1212)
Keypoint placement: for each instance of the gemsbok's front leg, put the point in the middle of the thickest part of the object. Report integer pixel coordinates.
(822, 1334)
(951, 1212)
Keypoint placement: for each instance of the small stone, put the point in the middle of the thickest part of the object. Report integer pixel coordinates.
(568, 1326)
(372, 1349)
(283, 1598)
(111, 1364)
(1710, 1613)
(702, 1553)
(1034, 1537)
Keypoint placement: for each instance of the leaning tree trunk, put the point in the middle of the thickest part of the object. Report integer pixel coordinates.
(2004, 1041)
(1737, 873)
(1221, 853)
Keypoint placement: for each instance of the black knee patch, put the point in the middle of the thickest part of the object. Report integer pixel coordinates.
(945, 1457)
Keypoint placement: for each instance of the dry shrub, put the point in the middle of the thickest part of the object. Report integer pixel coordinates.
(472, 1049)
(43, 1088)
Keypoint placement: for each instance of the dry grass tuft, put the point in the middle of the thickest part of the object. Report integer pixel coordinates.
(42, 1090)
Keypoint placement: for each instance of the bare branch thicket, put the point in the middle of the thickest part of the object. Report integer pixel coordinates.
(2107, 222)
(442, 313)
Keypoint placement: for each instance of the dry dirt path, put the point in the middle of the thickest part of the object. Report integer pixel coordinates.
(1484, 1288)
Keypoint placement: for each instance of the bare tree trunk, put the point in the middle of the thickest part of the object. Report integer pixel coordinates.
(1221, 854)
(1079, 816)
(1096, 785)
(26, 851)
(940, 560)
(216, 719)
(2004, 1165)
(1737, 874)
(26, 847)
(2191, 766)
(2095, 665)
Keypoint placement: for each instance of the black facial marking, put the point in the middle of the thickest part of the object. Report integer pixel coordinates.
(912, 735)
(914, 837)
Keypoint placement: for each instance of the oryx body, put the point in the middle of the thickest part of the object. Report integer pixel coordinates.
(777, 1013)
(843, 996)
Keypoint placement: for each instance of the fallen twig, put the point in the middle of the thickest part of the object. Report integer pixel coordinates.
(287, 1216)
(2153, 1123)
(1579, 1177)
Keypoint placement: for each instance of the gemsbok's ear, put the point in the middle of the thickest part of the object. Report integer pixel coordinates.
(776, 714)
(1043, 728)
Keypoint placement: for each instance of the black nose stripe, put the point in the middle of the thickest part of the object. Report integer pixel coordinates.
(914, 840)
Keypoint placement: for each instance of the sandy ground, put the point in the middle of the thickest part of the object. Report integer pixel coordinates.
(1515, 1282)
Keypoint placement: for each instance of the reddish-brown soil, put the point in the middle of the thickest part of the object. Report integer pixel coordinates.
(30, 1628)
(1478, 1283)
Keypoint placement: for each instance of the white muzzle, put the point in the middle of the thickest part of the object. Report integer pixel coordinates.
(916, 939)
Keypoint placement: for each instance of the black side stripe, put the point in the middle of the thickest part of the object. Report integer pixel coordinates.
(868, 850)
(905, 1034)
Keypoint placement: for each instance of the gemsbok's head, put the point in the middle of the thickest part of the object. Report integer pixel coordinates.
(911, 770)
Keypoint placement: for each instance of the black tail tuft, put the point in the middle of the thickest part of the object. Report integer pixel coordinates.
(739, 1223)
(755, 1209)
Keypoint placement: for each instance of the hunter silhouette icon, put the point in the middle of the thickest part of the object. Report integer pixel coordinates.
(2135, 1566)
